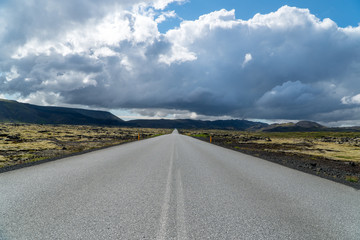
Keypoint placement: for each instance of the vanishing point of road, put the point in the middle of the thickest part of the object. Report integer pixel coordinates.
(173, 187)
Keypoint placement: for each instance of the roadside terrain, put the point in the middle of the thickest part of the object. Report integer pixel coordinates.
(26, 143)
(332, 155)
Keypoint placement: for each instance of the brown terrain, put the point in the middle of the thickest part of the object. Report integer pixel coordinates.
(26, 144)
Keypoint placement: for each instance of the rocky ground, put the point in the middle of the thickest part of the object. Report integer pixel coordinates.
(333, 156)
(30, 143)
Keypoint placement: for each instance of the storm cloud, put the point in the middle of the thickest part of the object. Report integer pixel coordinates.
(286, 64)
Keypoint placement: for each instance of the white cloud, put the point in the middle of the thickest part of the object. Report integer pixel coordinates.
(43, 98)
(165, 15)
(162, 4)
(190, 31)
(173, 114)
(12, 74)
(290, 18)
(67, 81)
(283, 65)
(351, 100)
(247, 59)
(178, 54)
(104, 52)
(98, 36)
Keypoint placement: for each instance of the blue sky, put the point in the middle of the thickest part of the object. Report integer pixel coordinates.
(297, 60)
(343, 12)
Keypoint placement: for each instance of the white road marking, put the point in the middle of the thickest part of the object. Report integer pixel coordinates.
(166, 205)
(180, 210)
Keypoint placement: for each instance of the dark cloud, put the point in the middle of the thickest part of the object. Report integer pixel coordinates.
(282, 65)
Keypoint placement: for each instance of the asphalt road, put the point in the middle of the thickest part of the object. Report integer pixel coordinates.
(173, 187)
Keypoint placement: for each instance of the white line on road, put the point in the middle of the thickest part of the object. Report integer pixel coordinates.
(180, 210)
(166, 205)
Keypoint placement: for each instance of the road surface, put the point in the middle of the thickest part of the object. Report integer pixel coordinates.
(173, 187)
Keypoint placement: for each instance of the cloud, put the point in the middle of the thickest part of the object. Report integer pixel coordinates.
(282, 65)
(162, 4)
(175, 114)
(351, 100)
(164, 16)
(12, 74)
(247, 59)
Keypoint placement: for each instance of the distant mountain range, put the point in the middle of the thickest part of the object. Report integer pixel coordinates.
(240, 125)
(12, 111)
(15, 112)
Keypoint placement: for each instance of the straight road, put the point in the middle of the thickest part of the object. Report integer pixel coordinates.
(173, 187)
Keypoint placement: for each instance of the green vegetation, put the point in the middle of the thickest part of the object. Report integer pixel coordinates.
(201, 135)
(354, 179)
(344, 157)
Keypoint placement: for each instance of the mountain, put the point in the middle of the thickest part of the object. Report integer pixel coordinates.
(15, 112)
(12, 111)
(302, 126)
(240, 125)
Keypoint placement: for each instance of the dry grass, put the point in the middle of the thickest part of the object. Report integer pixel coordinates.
(21, 143)
(331, 145)
(331, 150)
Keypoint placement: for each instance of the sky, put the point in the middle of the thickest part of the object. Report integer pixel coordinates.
(279, 60)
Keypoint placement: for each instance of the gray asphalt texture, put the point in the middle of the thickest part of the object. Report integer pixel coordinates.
(173, 187)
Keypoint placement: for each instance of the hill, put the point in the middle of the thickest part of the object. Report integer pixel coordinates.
(240, 125)
(302, 126)
(15, 112)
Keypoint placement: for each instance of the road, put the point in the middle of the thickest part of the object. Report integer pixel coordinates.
(173, 187)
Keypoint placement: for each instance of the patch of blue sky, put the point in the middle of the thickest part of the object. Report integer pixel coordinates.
(344, 13)
(7, 96)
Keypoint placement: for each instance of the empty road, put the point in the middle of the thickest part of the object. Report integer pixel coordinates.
(173, 187)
